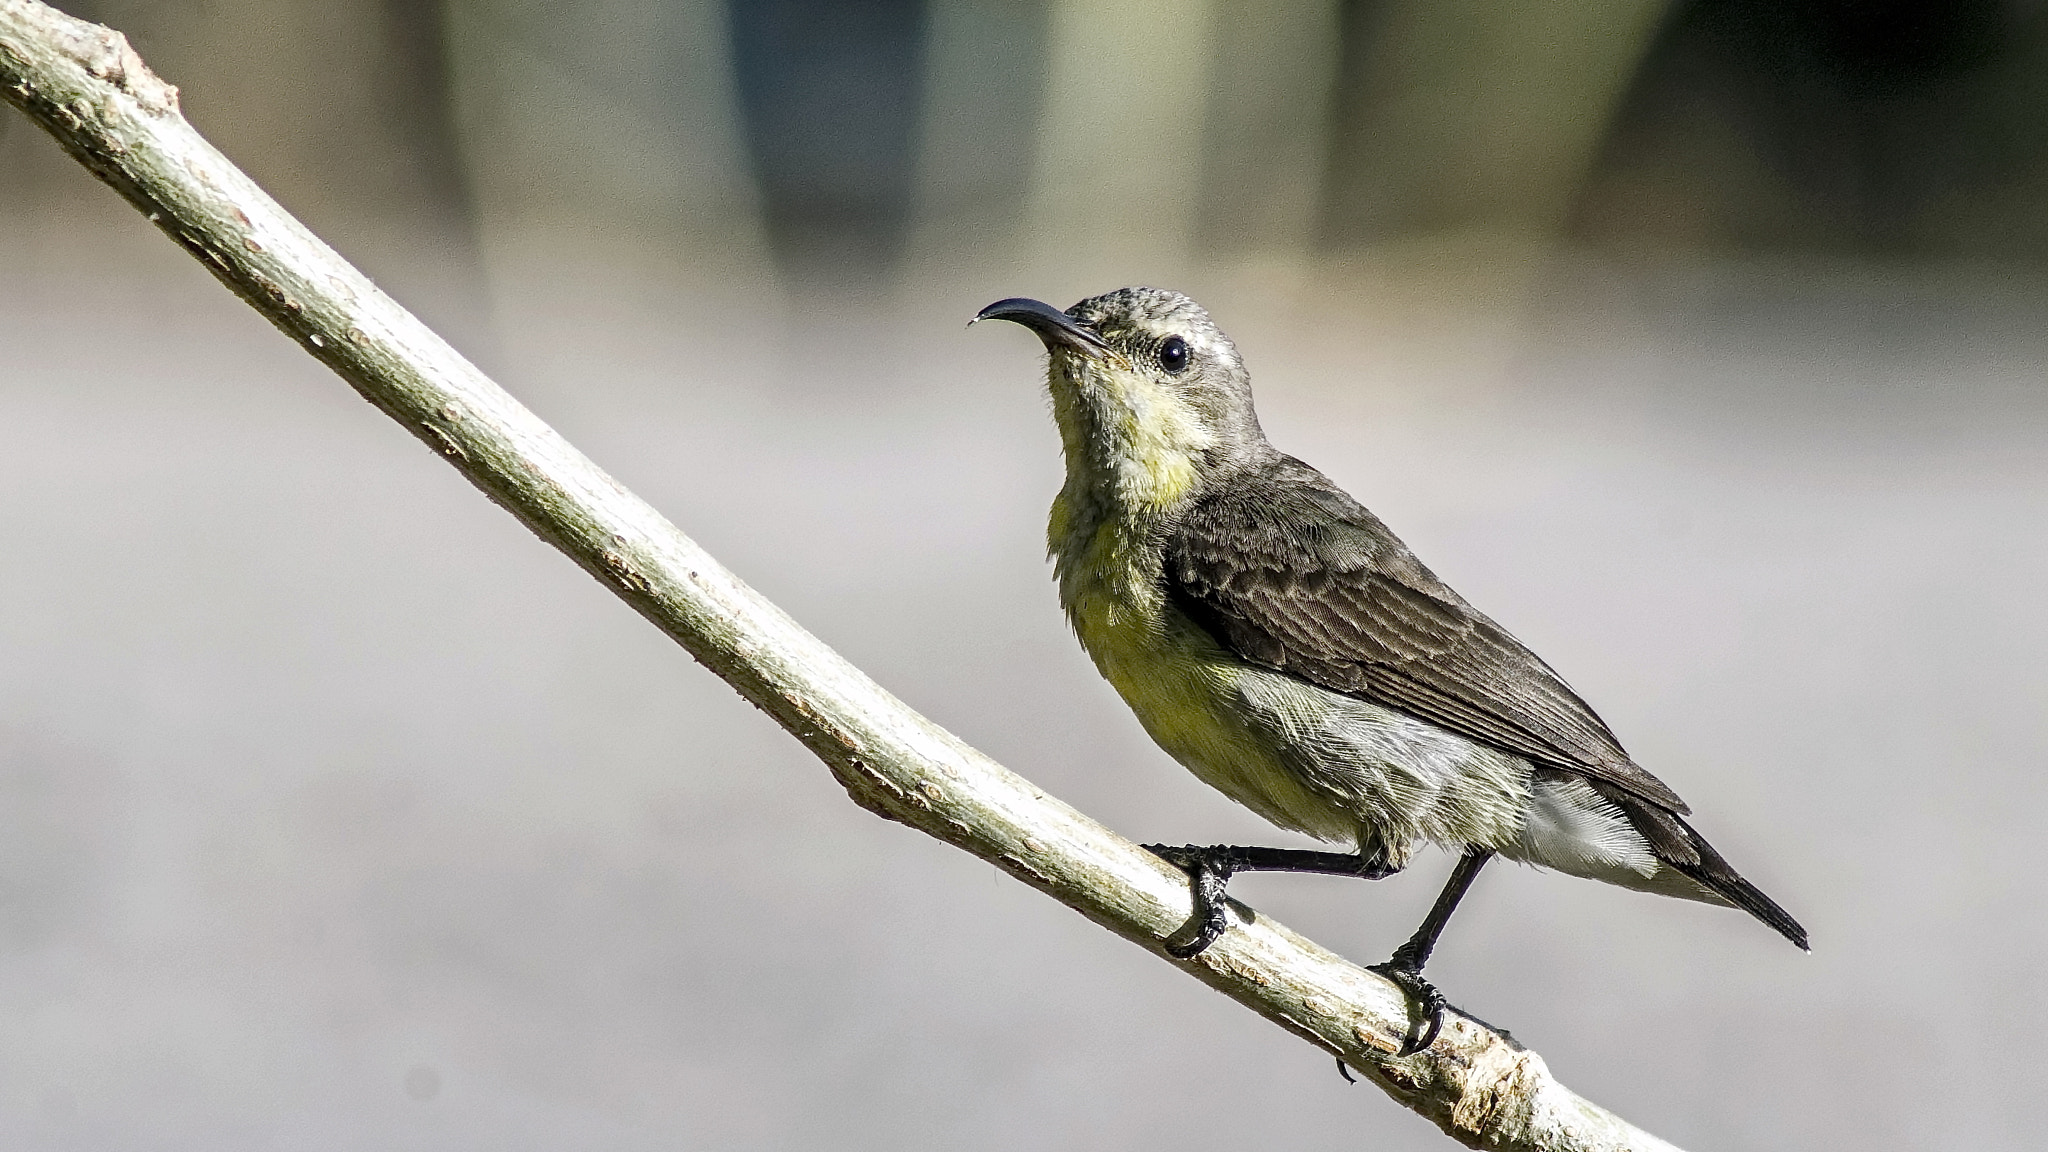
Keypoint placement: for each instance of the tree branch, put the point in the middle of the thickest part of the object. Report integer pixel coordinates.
(89, 89)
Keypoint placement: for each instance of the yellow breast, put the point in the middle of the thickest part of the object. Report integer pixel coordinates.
(1181, 684)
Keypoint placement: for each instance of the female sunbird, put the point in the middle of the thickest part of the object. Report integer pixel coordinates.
(1274, 637)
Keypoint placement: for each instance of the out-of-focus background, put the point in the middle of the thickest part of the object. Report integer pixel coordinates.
(1701, 343)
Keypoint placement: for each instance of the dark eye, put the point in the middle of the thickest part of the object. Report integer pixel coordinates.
(1173, 354)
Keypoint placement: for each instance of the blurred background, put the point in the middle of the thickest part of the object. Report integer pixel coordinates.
(1700, 342)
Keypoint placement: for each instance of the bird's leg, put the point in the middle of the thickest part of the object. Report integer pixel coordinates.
(1405, 967)
(1210, 868)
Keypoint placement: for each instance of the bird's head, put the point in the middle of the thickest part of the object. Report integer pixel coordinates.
(1150, 395)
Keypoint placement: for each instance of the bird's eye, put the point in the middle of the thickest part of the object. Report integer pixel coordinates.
(1173, 354)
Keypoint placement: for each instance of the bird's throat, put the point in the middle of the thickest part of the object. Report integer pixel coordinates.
(1131, 445)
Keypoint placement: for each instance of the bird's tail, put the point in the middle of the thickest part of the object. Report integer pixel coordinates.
(1714, 872)
(1676, 844)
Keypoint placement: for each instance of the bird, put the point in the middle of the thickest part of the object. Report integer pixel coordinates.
(1278, 640)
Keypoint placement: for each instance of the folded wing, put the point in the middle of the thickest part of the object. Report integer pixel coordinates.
(1289, 572)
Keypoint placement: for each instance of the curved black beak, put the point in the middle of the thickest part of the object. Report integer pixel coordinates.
(1051, 324)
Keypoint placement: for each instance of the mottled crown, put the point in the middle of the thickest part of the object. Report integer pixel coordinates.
(1139, 322)
(1135, 318)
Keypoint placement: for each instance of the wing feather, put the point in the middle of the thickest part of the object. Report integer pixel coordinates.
(1288, 571)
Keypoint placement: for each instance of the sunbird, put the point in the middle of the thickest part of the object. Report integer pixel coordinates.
(1274, 636)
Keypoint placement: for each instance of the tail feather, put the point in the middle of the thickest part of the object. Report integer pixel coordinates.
(1714, 872)
(1686, 851)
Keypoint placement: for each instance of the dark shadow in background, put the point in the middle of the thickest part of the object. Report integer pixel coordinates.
(1349, 212)
(1889, 128)
(830, 92)
(419, 105)
(422, 107)
(1892, 128)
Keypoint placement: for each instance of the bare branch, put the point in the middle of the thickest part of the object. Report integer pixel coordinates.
(94, 94)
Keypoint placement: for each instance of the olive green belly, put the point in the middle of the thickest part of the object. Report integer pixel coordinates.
(1187, 692)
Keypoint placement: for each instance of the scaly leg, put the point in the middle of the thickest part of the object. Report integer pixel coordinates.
(1212, 867)
(1405, 967)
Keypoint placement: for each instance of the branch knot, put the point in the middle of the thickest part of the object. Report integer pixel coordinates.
(106, 55)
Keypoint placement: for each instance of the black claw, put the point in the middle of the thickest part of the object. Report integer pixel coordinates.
(1344, 1071)
(1209, 869)
(1423, 1031)
(1404, 968)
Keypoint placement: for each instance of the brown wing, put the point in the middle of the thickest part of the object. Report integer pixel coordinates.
(1288, 571)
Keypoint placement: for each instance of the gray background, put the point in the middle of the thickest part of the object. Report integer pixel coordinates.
(337, 812)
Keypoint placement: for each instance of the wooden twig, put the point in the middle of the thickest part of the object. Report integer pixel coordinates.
(92, 92)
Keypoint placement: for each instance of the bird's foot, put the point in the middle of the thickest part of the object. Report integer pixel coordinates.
(1423, 996)
(1210, 869)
